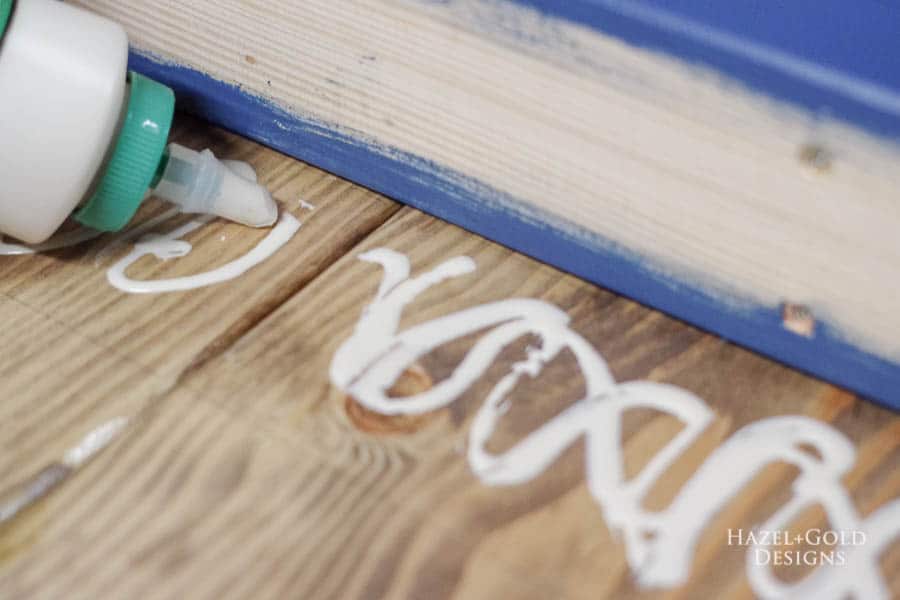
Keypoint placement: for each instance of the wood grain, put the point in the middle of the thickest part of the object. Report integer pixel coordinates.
(247, 474)
(167, 333)
(722, 189)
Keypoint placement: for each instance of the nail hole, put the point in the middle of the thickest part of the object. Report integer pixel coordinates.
(816, 156)
(798, 319)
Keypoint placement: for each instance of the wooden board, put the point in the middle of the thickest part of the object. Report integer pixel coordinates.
(715, 191)
(247, 473)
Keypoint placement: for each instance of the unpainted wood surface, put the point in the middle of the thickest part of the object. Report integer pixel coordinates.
(64, 319)
(719, 187)
(247, 474)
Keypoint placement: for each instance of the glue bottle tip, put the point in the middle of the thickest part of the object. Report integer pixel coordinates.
(199, 183)
(243, 200)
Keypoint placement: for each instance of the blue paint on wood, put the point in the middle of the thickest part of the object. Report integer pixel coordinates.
(832, 57)
(474, 206)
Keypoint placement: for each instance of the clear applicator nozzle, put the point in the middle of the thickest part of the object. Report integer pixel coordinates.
(198, 182)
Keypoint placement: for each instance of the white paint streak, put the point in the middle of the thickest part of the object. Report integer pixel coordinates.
(659, 545)
(166, 246)
(97, 439)
(306, 205)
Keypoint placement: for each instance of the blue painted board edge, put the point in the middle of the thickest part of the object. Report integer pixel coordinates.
(833, 58)
(469, 204)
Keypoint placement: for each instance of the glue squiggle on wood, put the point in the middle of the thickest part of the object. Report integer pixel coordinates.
(168, 245)
(659, 545)
(164, 247)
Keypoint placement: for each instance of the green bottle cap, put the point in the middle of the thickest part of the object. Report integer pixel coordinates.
(5, 11)
(138, 157)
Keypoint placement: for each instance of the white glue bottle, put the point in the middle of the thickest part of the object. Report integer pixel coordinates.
(78, 132)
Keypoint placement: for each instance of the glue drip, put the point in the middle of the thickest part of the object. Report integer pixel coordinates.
(197, 182)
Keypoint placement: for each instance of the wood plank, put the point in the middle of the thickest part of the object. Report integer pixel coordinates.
(54, 382)
(78, 351)
(248, 473)
(644, 173)
(169, 333)
(359, 509)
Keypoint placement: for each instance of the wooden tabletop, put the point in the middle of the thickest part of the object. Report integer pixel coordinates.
(259, 464)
